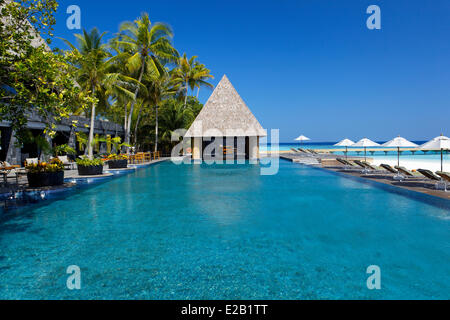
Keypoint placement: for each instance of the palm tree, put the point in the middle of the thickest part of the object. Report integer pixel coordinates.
(93, 74)
(173, 117)
(122, 99)
(159, 87)
(201, 69)
(143, 44)
(141, 107)
(190, 75)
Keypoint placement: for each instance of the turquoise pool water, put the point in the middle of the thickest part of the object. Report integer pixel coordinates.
(225, 232)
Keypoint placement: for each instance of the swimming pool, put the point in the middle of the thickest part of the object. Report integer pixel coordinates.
(226, 232)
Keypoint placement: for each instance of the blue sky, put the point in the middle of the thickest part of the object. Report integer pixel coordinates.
(311, 67)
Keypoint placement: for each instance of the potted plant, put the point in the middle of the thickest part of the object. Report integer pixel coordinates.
(117, 161)
(87, 167)
(44, 174)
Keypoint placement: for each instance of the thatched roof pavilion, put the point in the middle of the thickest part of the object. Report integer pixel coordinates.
(223, 118)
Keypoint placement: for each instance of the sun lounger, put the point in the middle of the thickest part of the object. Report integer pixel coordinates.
(7, 169)
(398, 176)
(374, 169)
(405, 172)
(347, 164)
(429, 174)
(360, 164)
(295, 150)
(444, 175)
(66, 162)
(367, 167)
(313, 152)
(3, 173)
(342, 161)
(351, 164)
(389, 168)
(18, 172)
(440, 183)
(305, 151)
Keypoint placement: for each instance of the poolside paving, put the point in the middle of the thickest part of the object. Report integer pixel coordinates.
(71, 175)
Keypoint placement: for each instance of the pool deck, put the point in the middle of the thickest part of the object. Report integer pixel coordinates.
(71, 179)
(420, 184)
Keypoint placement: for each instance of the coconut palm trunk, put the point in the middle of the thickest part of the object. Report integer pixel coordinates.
(186, 96)
(125, 117)
(137, 124)
(156, 128)
(125, 123)
(127, 134)
(91, 129)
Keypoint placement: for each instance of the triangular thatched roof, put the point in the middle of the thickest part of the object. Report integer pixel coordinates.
(225, 115)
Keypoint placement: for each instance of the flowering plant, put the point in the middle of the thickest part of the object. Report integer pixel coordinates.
(55, 165)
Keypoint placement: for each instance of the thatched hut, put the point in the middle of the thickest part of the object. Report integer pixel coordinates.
(225, 127)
